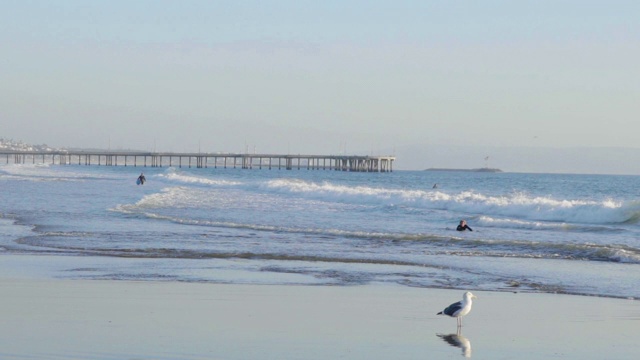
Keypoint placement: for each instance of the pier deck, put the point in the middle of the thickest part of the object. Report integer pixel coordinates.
(360, 163)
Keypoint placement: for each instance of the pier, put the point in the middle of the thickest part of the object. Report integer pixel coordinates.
(359, 163)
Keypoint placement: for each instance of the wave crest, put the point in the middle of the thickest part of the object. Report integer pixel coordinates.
(517, 205)
(176, 176)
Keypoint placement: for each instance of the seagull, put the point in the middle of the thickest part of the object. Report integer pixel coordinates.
(459, 309)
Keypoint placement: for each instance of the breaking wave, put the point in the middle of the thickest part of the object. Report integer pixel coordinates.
(516, 205)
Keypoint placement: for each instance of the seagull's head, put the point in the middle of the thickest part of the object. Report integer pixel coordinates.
(468, 296)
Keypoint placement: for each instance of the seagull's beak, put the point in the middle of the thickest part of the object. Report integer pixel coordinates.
(473, 296)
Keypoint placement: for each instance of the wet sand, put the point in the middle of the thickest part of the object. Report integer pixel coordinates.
(78, 319)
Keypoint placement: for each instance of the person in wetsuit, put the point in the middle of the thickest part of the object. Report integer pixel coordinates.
(463, 226)
(142, 179)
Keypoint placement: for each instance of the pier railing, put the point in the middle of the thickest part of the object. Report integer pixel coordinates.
(360, 163)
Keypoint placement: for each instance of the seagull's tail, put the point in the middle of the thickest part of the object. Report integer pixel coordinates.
(440, 313)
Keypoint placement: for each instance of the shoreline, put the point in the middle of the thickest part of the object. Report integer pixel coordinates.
(56, 267)
(114, 319)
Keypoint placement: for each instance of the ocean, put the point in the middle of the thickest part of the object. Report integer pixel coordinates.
(552, 233)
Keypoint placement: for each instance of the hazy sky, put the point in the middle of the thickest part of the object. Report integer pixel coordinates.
(323, 77)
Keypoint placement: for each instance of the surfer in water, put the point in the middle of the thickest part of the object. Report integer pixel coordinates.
(141, 179)
(463, 226)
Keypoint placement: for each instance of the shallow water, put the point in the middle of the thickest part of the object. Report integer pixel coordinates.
(575, 234)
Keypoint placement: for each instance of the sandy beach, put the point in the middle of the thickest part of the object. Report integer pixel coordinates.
(79, 319)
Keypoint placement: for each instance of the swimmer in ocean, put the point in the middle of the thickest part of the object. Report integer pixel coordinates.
(463, 226)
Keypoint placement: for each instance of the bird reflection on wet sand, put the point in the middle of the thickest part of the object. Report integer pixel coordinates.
(457, 340)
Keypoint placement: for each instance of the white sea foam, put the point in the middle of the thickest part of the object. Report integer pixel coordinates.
(487, 221)
(173, 175)
(518, 205)
(39, 172)
(626, 256)
(173, 197)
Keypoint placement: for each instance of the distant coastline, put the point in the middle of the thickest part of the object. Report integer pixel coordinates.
(489, 170)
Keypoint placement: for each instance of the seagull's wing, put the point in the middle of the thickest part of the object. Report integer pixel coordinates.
(453, 308)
